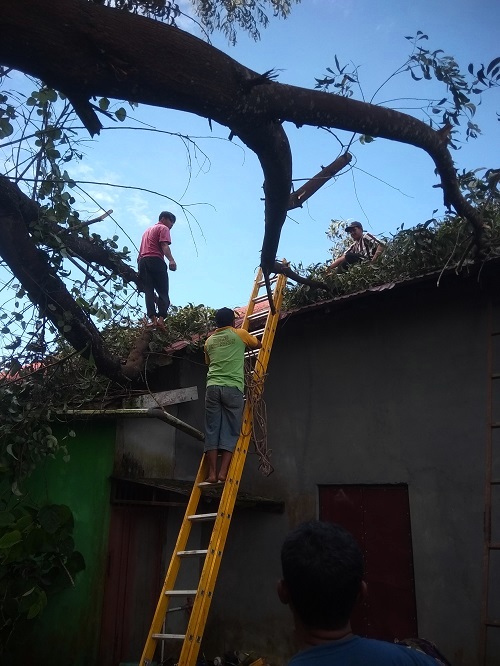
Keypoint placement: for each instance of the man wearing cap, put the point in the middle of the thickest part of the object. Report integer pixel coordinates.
(155, 245)
(224, 354)
(365, 248)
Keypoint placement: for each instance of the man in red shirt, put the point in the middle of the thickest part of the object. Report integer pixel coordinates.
(155, 245)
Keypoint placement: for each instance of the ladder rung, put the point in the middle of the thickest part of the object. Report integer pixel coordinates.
(493, 425)
(260, 331)
(492, 623)
(190, 553)
(260, 299)
(494, 546)
(199, 517)
(181, 593)
(252, 352)
(258, 315)
(261, 283)
(496, 375)
(177, 637)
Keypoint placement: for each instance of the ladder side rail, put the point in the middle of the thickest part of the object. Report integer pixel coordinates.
(213, 560)
(251, 302)
(270, 328)
(173, 570)
(206, 586)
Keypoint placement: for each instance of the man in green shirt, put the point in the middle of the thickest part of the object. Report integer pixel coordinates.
(224, 354)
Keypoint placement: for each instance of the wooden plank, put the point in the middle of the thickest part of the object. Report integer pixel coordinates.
(162, 398)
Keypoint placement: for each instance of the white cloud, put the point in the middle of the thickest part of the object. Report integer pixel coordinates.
(138, 208)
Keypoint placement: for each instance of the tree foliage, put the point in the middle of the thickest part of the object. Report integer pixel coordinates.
(37, 559)
(461, 90)
(227, 16)
(433, 246)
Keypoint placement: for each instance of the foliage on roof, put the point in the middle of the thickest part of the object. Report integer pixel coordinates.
(434, 245)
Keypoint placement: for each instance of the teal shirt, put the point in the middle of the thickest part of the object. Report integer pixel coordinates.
(224, 353)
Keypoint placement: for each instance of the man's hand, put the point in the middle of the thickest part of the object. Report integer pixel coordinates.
(172, 265)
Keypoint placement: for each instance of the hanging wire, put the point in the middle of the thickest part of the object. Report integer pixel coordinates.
(254, 395)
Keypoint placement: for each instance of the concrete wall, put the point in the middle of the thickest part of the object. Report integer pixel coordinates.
(382, 391)
(390, 388)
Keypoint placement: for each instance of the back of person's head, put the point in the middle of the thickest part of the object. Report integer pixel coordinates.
(322, 573)
(224, 317)
(168, 215)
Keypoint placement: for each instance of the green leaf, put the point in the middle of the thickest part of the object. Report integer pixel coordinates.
(104, 103)
(6, 518)
(23, 523)
(53, 517)
(121, 114)
(49, 519)
(492, 65)
(36, 608)
(10, 539)
(15, 490)
(8, 448)
(6, 128)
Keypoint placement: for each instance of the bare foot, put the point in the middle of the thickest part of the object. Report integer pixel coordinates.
(210, 479)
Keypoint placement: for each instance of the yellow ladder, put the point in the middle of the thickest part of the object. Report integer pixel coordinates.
(191, 640)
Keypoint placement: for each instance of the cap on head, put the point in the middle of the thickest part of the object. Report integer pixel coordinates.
(354, 225)
(224, 317)
(167, 214)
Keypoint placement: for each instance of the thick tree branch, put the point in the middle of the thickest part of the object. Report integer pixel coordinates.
(86, 50)
(32, 268)
(51, 234)
(305, 192)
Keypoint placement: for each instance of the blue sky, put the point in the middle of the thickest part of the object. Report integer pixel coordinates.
(217, 245)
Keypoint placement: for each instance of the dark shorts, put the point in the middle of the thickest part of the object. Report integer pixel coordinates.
(223, 417)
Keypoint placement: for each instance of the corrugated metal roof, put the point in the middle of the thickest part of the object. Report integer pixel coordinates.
(403, 283)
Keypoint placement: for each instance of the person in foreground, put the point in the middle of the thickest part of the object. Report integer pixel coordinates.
(322, 580)
(225, 355)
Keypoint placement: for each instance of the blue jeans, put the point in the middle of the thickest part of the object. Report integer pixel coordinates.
(223, 417)
(154, 275)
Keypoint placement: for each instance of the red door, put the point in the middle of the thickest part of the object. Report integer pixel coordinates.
(379, 519)
(133, 581)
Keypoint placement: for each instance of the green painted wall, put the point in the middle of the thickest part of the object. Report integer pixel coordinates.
(67, 633)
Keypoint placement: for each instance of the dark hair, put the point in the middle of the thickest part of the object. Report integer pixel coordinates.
(166, 214)
(224, 317)
(322, 569)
